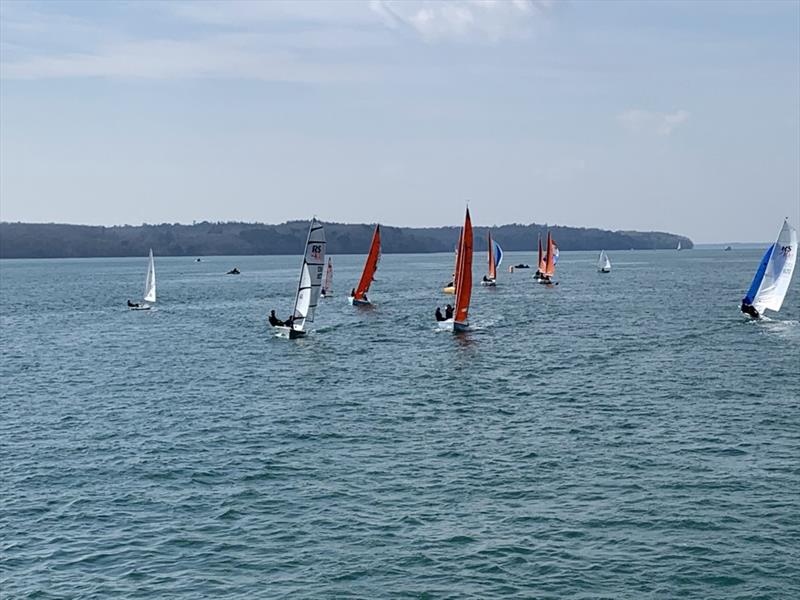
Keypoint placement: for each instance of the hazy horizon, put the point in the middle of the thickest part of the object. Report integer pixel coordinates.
(658, 116)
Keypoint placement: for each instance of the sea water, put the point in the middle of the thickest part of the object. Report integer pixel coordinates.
(622, 435)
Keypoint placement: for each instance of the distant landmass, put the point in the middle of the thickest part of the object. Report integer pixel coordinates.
(54, 240)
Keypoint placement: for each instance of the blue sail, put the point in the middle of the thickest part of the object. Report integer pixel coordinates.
(762, 268)
(498, 254)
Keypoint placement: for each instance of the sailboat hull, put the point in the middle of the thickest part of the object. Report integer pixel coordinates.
(449, 290)
(141, 307)
(491, 283)
(289, 333)
(604, 270)
(450, 325)
(355, 302)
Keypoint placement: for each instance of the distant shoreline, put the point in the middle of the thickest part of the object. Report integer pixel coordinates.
(54, 240)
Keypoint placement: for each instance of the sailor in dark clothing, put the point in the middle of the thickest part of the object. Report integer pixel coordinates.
(749, 309)
(439, 316)
(289, 322)
(133, 304)
(273, 320)
(353, 293)
(448, 312)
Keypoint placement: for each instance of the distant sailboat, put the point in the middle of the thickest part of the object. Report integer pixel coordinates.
(603, 262)
(149, 296)
(540, 266)
(450, 288)
(548, 269)
(495, 258)
(773, 275)
(327, 287)
(370, 266)
(309, 286)
(679, 245)
(463, 280)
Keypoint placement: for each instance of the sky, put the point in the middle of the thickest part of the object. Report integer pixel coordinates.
(670, 116)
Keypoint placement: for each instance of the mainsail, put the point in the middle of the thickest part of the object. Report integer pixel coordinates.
(603, 262)
(310, 276)
(774, 273)
(550, 260)
(495, 257)
(541, 266)
(327, 288)
(370, 266)
(464, 273)
(150, 280)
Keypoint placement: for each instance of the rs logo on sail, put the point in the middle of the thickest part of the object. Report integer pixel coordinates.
(316, 251)
(786, 250)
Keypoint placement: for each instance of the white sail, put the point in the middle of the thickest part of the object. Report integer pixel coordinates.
(327, 288)
(603, 262)
(310, 276)
(679, 246)
(772, 281)
(150, 280)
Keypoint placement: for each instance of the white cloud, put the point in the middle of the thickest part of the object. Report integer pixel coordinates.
(490, 20)
(645, 121)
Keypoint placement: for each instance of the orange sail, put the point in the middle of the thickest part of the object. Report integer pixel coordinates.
(464, 273)
(550, 265)
(492, 267)
(370, 266)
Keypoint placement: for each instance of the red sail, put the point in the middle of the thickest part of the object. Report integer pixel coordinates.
(550, 265)
(464, 273)
(540, 266)
(492, 268)
(370, 266)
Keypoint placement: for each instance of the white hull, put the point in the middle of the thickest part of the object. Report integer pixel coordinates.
(142, 307)
(355, 302)
(324, 295)
(450, 325)
(491, 283)
(289, 333)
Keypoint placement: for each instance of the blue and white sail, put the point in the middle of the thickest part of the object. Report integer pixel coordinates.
(774, 272)
(498, 254)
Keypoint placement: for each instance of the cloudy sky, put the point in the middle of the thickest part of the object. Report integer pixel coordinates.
(676, 116)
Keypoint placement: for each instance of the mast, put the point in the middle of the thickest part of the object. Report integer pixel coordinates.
(370, 266)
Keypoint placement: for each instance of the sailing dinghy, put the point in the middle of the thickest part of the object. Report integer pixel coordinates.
(547, 264)
(773, 275)
(495, 258)
(463, 280)
(359, 297)
(540, 265)
(309, 286)
(149, 296)
(450, 288)
(327, 287)
(603, 262)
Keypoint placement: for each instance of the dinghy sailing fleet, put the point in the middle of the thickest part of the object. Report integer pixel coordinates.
(766, 292)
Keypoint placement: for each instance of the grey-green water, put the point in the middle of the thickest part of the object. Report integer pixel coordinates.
(617, 436)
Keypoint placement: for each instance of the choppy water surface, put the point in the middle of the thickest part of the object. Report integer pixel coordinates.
(620, 436)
